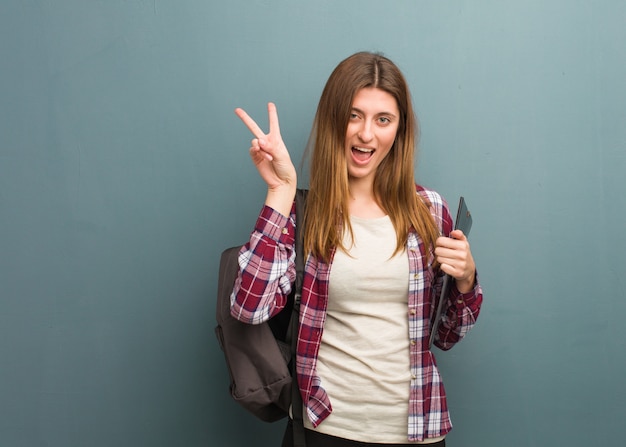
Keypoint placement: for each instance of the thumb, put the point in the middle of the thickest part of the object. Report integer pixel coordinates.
(458, 235)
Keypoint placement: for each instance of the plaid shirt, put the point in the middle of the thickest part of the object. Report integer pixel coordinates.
(267, 272)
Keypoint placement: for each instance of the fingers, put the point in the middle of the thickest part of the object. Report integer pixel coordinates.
(254, 127)
(273, 118)
(454, 255)
(256, 151)
(250, 123)
(449, 249)
(456, 269)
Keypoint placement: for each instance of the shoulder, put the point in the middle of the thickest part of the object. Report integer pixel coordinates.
(438, 208)
(431, 197)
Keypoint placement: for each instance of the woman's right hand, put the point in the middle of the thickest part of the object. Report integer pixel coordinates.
(271, 158)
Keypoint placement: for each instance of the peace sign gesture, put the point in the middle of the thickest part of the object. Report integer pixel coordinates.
(269, 154)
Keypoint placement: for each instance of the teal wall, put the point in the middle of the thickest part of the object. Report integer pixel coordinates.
(124, 173)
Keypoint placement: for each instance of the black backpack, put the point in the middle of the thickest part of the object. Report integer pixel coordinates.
(259, 357)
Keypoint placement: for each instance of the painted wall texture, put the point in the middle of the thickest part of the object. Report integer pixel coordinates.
(124, 173)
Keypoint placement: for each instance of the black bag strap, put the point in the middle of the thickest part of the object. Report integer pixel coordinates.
(296, 398)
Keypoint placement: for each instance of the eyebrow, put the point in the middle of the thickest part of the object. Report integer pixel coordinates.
(356, 109)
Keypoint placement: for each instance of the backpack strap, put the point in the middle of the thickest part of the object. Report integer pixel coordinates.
(296, 398)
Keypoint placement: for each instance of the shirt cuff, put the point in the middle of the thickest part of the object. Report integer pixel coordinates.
(275, 226)
(461, 300)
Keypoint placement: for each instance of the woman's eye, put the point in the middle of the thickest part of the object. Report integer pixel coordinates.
(384, 120)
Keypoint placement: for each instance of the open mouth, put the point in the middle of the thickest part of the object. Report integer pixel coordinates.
(362, 153)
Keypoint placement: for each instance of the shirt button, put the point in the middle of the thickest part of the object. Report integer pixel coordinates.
(413, 312)
(416, 276)
(459, 301)
(413, 342)
(285, 231)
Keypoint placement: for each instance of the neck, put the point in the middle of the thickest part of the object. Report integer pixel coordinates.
(361, 187)
(363, 201)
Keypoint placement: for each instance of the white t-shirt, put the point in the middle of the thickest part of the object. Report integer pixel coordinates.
(363, 360)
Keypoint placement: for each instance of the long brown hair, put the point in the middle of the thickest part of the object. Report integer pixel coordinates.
(326, 215)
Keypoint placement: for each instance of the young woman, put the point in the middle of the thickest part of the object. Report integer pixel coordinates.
(377, 248)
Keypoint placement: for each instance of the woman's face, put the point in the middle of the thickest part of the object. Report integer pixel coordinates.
(371, 132)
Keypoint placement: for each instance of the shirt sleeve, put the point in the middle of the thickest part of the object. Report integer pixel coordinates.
(462, 309)
(266, 268)
(460, 315)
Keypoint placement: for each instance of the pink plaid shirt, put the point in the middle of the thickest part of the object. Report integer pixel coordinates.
(267, 272)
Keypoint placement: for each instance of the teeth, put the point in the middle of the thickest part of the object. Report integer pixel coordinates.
(362, 149)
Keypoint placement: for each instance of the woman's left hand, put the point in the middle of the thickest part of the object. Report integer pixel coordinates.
(455, 257)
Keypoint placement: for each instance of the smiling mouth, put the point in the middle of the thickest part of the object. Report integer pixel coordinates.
(362, 153)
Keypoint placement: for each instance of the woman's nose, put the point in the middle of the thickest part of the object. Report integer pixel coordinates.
(365, 134)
